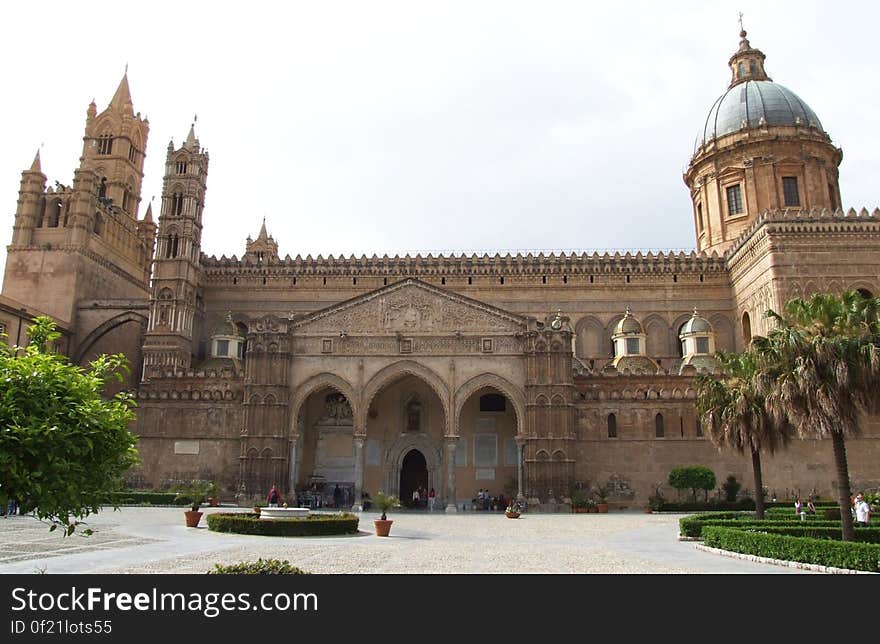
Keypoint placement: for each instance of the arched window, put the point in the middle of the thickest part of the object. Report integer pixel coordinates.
(747, 327)
(742, 69)
(55, 213)
(492, 402)
(181, 167)
(105, 144)
(127, 200)
(177, 204)
(699, 427)
(612, 426)
(99, 224)
(865, 293)
(659, 427)
(700, 216)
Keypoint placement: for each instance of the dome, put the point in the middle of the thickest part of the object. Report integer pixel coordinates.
(756, 103)
(696, 324)
(628, 324)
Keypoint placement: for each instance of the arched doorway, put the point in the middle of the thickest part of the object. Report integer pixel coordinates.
(413, 475)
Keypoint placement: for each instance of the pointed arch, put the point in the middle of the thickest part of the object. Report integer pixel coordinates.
(493, 381)
(394, 371)
(106, 327)
(316, 383)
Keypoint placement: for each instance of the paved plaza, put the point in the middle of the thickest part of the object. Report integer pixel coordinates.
(154, 540)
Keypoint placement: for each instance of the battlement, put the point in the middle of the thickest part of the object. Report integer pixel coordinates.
(463, 264)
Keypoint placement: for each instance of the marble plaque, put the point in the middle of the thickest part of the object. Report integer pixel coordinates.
(484, 474)
(510, 452)
(485, 450)
(461, 453)
(374, 452)
(186, 447)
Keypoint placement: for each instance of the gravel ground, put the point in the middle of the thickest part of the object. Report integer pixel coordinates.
(154, 540)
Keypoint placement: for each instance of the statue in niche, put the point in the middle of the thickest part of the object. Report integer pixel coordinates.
(336, 406)
(414, 415)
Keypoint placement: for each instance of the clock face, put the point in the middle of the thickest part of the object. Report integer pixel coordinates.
(556, 323)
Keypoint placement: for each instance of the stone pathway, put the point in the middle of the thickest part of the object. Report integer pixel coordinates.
(154, 540)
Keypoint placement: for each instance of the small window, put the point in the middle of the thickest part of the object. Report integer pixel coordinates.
(492, 402)
(832, 196)
(612, 426)
(632, 346)
(99, 224)
(700, 216)
(177, 204)
(240, 350)
(746, 327)
(742, 70)
(734, 200)
(702, 345)
(659, 429)
(699, 427)
(105, 144)
(132, 153)
(222, 347)
(181, 167)
(790, 191)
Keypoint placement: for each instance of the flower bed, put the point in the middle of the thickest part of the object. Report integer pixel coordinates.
(311, 526)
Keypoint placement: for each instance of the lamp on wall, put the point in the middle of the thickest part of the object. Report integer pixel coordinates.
(343, 334)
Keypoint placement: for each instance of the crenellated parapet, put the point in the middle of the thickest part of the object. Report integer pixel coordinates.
(596, 264)
(213, 385)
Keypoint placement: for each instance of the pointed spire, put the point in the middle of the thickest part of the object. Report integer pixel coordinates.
(122, 98)
(35, 166)
(192, 143)
(263, 234)
(148, 217)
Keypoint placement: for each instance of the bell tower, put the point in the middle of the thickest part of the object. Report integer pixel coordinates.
(175, 305)
(83, 242)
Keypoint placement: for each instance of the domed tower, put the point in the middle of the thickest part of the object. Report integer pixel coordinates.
(630, 346)
(760, 148)
(697, 344)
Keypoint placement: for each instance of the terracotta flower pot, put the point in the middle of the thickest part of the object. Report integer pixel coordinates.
(192, 518)
(602, 508)
(512, 515)
(257, 510)
(383, 527)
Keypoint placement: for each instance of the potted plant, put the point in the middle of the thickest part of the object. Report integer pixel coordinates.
(384, 502)
(197, 492)
(579, 503)
(655, 503)
(591, 506)
(602, 499)
(514, 510)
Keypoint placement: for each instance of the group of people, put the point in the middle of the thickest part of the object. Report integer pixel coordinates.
(485, 501)
(860, 508)
(422, 498)
(313, 500)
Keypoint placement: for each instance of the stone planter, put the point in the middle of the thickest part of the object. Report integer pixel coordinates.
(512, 515)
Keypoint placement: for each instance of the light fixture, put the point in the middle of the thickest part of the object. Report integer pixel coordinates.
(342, 334)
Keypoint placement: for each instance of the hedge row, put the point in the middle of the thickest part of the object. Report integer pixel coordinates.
(132, 497)
(743, 504)
(865, 535)
(310, 526)
(258, 567)
(838, 554)
(693, 526)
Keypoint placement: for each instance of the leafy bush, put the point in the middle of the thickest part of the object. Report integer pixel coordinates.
(693, 478)
(824, 552)
(700, 506)
(694, 526)
(258, 567)
(731, 488)
(310, 526)
(195, 493)
(139, 497)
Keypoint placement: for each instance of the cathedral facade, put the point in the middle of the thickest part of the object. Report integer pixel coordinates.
(531, 375)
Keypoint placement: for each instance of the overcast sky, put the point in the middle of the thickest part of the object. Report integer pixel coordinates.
(378, 127)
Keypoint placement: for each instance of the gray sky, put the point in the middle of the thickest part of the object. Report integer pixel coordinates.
(379, 127)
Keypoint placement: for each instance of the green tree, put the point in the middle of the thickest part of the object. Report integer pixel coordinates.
(821, 373)
(63, 447)
(735, 415)
(693, 478)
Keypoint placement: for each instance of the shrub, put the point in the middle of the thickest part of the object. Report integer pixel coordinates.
(258, 567)
(838, 554)
(693, 478)
(310, 526)
(147, 498)
(695, 527)
(731, 488)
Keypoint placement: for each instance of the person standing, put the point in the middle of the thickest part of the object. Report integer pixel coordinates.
(431, 495)
(863, 510)
(415, 498)
(274, 497)
(337, 497)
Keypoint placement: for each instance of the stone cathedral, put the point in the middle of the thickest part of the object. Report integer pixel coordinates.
(533, 375)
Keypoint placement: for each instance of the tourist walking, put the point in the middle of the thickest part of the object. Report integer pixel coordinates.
(274, 497)
(337, 496)
(431, 496)
(863, 510)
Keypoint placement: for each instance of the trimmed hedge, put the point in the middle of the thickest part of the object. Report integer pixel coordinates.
(310, 526)
(134, 497)
(852, 555)
(864, 535)
(693, 526)
(742, 504)
(258, 567)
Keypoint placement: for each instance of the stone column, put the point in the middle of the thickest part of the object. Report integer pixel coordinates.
(356, 505)
(291, 479)
(520, 447)
(451, 444)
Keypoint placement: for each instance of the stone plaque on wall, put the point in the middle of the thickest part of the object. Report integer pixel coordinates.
(374, 452)
(510, 457)
(186, 447)
(461, 453)
(338, 446)
(485, 450)
(485, 474)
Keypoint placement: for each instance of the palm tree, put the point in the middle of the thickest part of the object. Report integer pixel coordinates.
(734, 413)
(821, 372)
